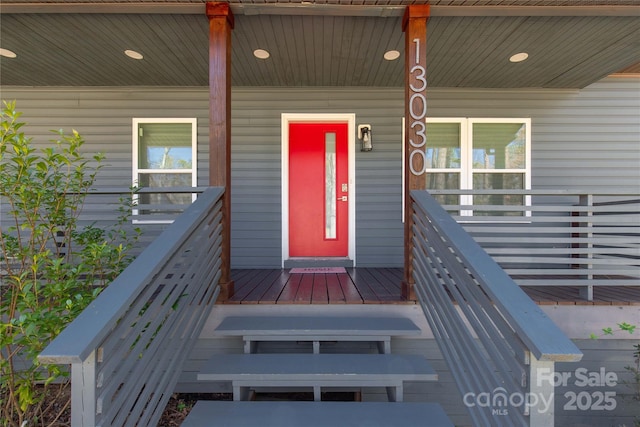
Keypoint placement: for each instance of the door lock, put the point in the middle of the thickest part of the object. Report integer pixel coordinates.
(343, 199)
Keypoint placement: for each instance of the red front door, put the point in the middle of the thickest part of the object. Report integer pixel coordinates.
(318, 190)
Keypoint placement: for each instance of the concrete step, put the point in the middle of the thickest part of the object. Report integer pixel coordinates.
(317, 329)
(246, 371)
(316, 414)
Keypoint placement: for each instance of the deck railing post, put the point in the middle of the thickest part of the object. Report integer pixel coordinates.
(83, 392)
(541, 399)
(586, 292)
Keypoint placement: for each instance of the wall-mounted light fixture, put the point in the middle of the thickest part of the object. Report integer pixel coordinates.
(364, 135)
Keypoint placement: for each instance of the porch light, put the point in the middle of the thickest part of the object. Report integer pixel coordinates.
(364, 135)
(7, 53)
(261, 54)
(391, 55)
(519, 57)
(133, 54)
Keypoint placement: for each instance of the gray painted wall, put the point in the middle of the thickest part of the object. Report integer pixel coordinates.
(581, 139)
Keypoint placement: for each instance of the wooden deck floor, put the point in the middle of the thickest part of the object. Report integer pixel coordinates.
(356, 286)
(382, 286)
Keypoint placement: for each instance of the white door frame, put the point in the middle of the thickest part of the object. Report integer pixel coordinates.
(348, 118)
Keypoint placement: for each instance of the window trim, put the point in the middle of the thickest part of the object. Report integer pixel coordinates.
(136, 170)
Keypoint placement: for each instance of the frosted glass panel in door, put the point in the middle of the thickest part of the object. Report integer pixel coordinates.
(330, 184)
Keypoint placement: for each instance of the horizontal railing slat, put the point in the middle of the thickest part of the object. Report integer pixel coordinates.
(566, 251)
(487, 328)
(613, 221)
(459, 347)
(594, 261)
(531, 324)
(538, 281)
(475, 302)
(571, 272)
(623, 196)
(90, 327)
(556, 233)
(128, 348)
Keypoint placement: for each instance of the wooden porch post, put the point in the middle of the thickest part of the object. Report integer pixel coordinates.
(220, 26)
(414, 25)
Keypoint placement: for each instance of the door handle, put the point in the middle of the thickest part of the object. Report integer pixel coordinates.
(343, 198)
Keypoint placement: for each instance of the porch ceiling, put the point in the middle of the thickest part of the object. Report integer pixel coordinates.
(571, 44)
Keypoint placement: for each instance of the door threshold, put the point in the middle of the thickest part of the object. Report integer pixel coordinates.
(318, 262)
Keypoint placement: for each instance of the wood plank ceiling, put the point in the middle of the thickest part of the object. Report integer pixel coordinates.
(322, 43)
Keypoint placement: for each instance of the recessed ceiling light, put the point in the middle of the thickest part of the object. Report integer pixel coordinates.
(7, 53)
(133, 54)
(519, 57)
(391, 55)
(261, 54)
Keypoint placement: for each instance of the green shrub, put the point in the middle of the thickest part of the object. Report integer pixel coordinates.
(51, 267)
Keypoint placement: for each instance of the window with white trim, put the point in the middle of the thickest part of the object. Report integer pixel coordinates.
(164, 156)
(479, 154)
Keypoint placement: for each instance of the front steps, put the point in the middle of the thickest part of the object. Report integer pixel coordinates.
(316, 414)
(317, 329)
(351, 371)
(318, 371)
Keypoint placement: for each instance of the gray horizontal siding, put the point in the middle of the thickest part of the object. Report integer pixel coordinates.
(581, 139)
(257, 163)
(103, 118)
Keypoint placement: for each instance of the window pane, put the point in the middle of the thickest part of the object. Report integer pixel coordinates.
(443, 145)
(160, 180)
(330, 192)
(444, 181)
(164, 146)
(498, 181)
(499, 145)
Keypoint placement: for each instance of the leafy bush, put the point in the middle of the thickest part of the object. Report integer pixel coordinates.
(634, 369)
(51, 267)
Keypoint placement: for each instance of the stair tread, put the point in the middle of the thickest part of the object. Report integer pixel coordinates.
(316, 414)
(316, 326)
(231, 367)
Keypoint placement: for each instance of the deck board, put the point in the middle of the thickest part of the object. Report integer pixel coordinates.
(275, 290)
(305, 290)
(263, 286)
(319, 295)
(368, 294)
(383, 286)
(290, 290)
(349, 289)
(246, 284)
(334, 290)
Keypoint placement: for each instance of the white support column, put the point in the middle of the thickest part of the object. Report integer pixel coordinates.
(541, 393)
(83, 392)
(586, 292)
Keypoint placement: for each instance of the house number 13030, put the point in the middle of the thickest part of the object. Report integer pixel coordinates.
(418, 112)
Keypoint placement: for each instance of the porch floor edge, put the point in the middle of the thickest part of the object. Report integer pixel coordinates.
(383, 286)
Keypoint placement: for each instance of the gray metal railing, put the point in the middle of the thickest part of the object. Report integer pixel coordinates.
(554, 237)
(127, 348)
(499, 345)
